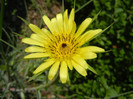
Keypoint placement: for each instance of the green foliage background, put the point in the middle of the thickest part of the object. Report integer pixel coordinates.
(115, 67)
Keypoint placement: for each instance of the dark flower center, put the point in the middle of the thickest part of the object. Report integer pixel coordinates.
(64, 45)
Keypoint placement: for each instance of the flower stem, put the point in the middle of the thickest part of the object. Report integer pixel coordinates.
(1, 17)
(62, 6)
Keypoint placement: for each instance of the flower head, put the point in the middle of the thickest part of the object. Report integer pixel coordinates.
(62, 45)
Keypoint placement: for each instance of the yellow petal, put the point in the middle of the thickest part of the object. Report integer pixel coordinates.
(66, 15)
(88, 55)
(71, 21)
(63, 72)
(89, 35)
(48, 23)
(53, 70)
(82, 63)
(34, 49)
(69, 64)
(32, 42)
(91, 49)
(79, 68)
(36, 29)
(46, 32)
(66, 21)
(74, 28)
(55, 26)
(79, 60)
(60, 22)
(38, 38)
(70, 26)
(72, 15)
(37, 55)
(44, 66)
(83, 27)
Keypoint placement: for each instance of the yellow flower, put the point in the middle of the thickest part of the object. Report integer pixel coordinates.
(62, 45)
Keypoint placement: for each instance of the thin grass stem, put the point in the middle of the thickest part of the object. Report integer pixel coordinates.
(62, 6)
(84, 5)
(74, 4)
(1, 16)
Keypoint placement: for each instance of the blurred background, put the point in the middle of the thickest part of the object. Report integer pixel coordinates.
(115, 68)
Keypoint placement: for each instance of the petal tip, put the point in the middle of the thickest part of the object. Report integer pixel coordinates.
(63, 81)
(30, 25)
(23, 40)
(84, 74)
(25, 57)
(35, 72)
(50, 77)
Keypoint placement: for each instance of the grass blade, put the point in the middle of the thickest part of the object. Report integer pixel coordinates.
(83, 6)
(1, 17)
(26, 22)
(8, 44)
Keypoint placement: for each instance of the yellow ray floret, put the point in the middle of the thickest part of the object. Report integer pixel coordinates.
(53, 70)
(62, 43)
(35, 49)
(44, 66)
(63, 72)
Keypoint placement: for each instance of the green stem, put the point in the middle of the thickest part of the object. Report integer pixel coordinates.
(62, 6)
(1, 16)
(1, 47)
(83, 6)
(122, 94)
(74, 4)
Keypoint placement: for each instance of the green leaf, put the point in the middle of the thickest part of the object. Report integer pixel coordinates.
(8, 44)
(26, 22)
(39, 94)
(34, 76)
(3, 67)
(83, 6)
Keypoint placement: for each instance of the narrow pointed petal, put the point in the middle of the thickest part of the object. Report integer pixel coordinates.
(32, 42)
(66, 15)
(63, 72)
(46, 32)
(79, 68)
(44, 66)
(35, 49)
(53, 70)
(60, 22)
(69, 64)
(88, 55)
(72, 14)
(79, 60)
(37, 55)
(70, 26)
(83, 26)
(82, 63)
(36, 29)
(74, 28)
(71, 21)
(55, 25)
(91, 49)
(65, 21)
(38, 38)
(89, 35)
(48, 23)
